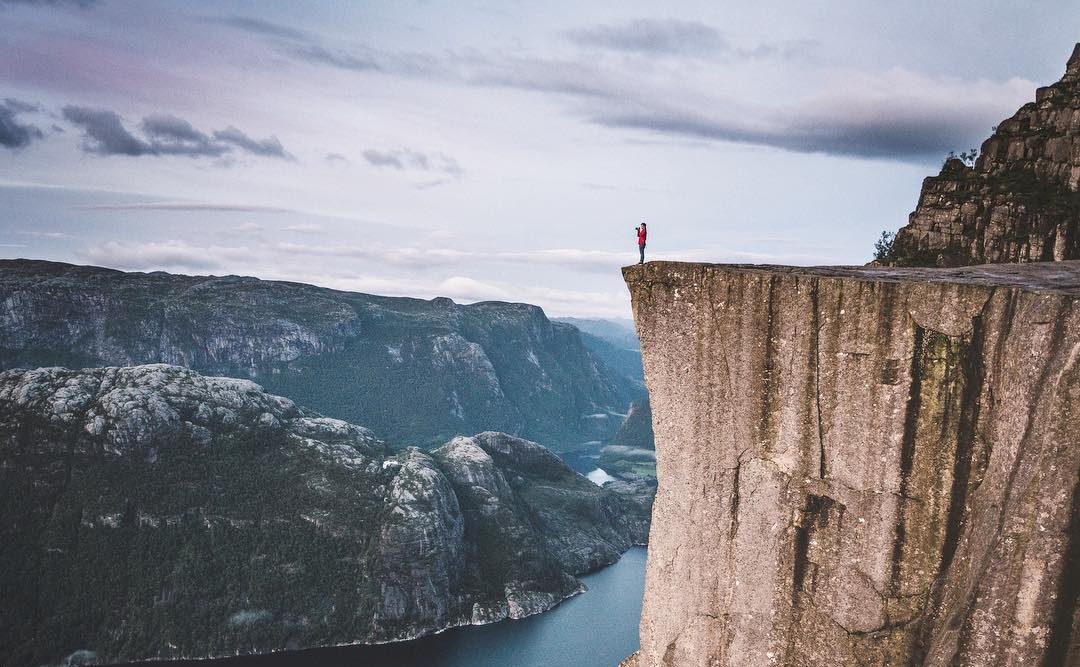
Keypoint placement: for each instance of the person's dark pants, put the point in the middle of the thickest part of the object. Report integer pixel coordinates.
(641, 249)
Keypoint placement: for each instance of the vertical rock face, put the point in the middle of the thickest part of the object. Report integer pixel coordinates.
(1021, 200)
(862, 466)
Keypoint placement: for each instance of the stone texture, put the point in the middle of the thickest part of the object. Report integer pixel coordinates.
(150, 512)
(1021, 200)
(862, 466)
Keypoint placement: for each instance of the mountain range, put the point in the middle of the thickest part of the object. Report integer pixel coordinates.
(416, 372)
(151, 512)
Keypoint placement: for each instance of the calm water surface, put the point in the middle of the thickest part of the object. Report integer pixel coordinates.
(595, 629)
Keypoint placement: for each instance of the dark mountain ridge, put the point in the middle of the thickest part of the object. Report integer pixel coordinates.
(414, 371)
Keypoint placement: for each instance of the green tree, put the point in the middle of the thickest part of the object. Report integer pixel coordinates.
(883, 247)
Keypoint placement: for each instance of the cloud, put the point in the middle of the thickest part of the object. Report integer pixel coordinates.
(270, 147)
(406, 159)
(335, 157)
(81, 4)
(897, 115)
(413, 257)
(47, 235)
(575, 259)
(162, 134)
(674, 37)
(434, 183)
(165, 254)
(466, 289)
(103, 133)
(14, 134)
(181, 206)
(257, 26)
(408, 257)
(657, 36)
(316, 53)
(303, 227)
(301, 45)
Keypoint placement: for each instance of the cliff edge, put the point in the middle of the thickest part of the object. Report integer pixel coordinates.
(862, 466)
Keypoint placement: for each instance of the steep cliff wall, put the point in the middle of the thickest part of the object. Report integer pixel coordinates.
(862, 466)
(1021, 200)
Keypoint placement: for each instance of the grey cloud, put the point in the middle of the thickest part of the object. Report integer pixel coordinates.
(166, 127)
(19, 106)
(163, 134)
(104, 133)
(658, 36)
(13, 133)
(182, 206)
(407, 159)
(303, 227)
(48, 235)
(381, 159)
(81, 4)
(896, 115)
(165, 254)
(270, 147)
(258, 26)
(672, 37)
(340, 59)
(299, 44)
(335, 157)
(546, 76)
(891, 115)
(893, 131)
(305, 47)
(170, 135)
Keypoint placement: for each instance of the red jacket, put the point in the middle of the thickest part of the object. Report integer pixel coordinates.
(641, 235)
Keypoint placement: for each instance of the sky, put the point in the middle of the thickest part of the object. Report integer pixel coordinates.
(492, 150)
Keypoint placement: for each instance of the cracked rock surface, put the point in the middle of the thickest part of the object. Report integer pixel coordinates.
(150, 512)
(862, 466)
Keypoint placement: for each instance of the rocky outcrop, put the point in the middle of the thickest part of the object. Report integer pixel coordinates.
(149, 512)
(862, 466)
(1020, 202)
(415, 372)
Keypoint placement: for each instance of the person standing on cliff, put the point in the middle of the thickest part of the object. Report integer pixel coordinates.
(640, 229)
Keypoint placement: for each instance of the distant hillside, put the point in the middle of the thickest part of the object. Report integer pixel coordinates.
(618, 332)
(614, 342)
(414, 371)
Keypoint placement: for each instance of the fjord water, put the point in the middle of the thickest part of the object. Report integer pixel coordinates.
(595, 629)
